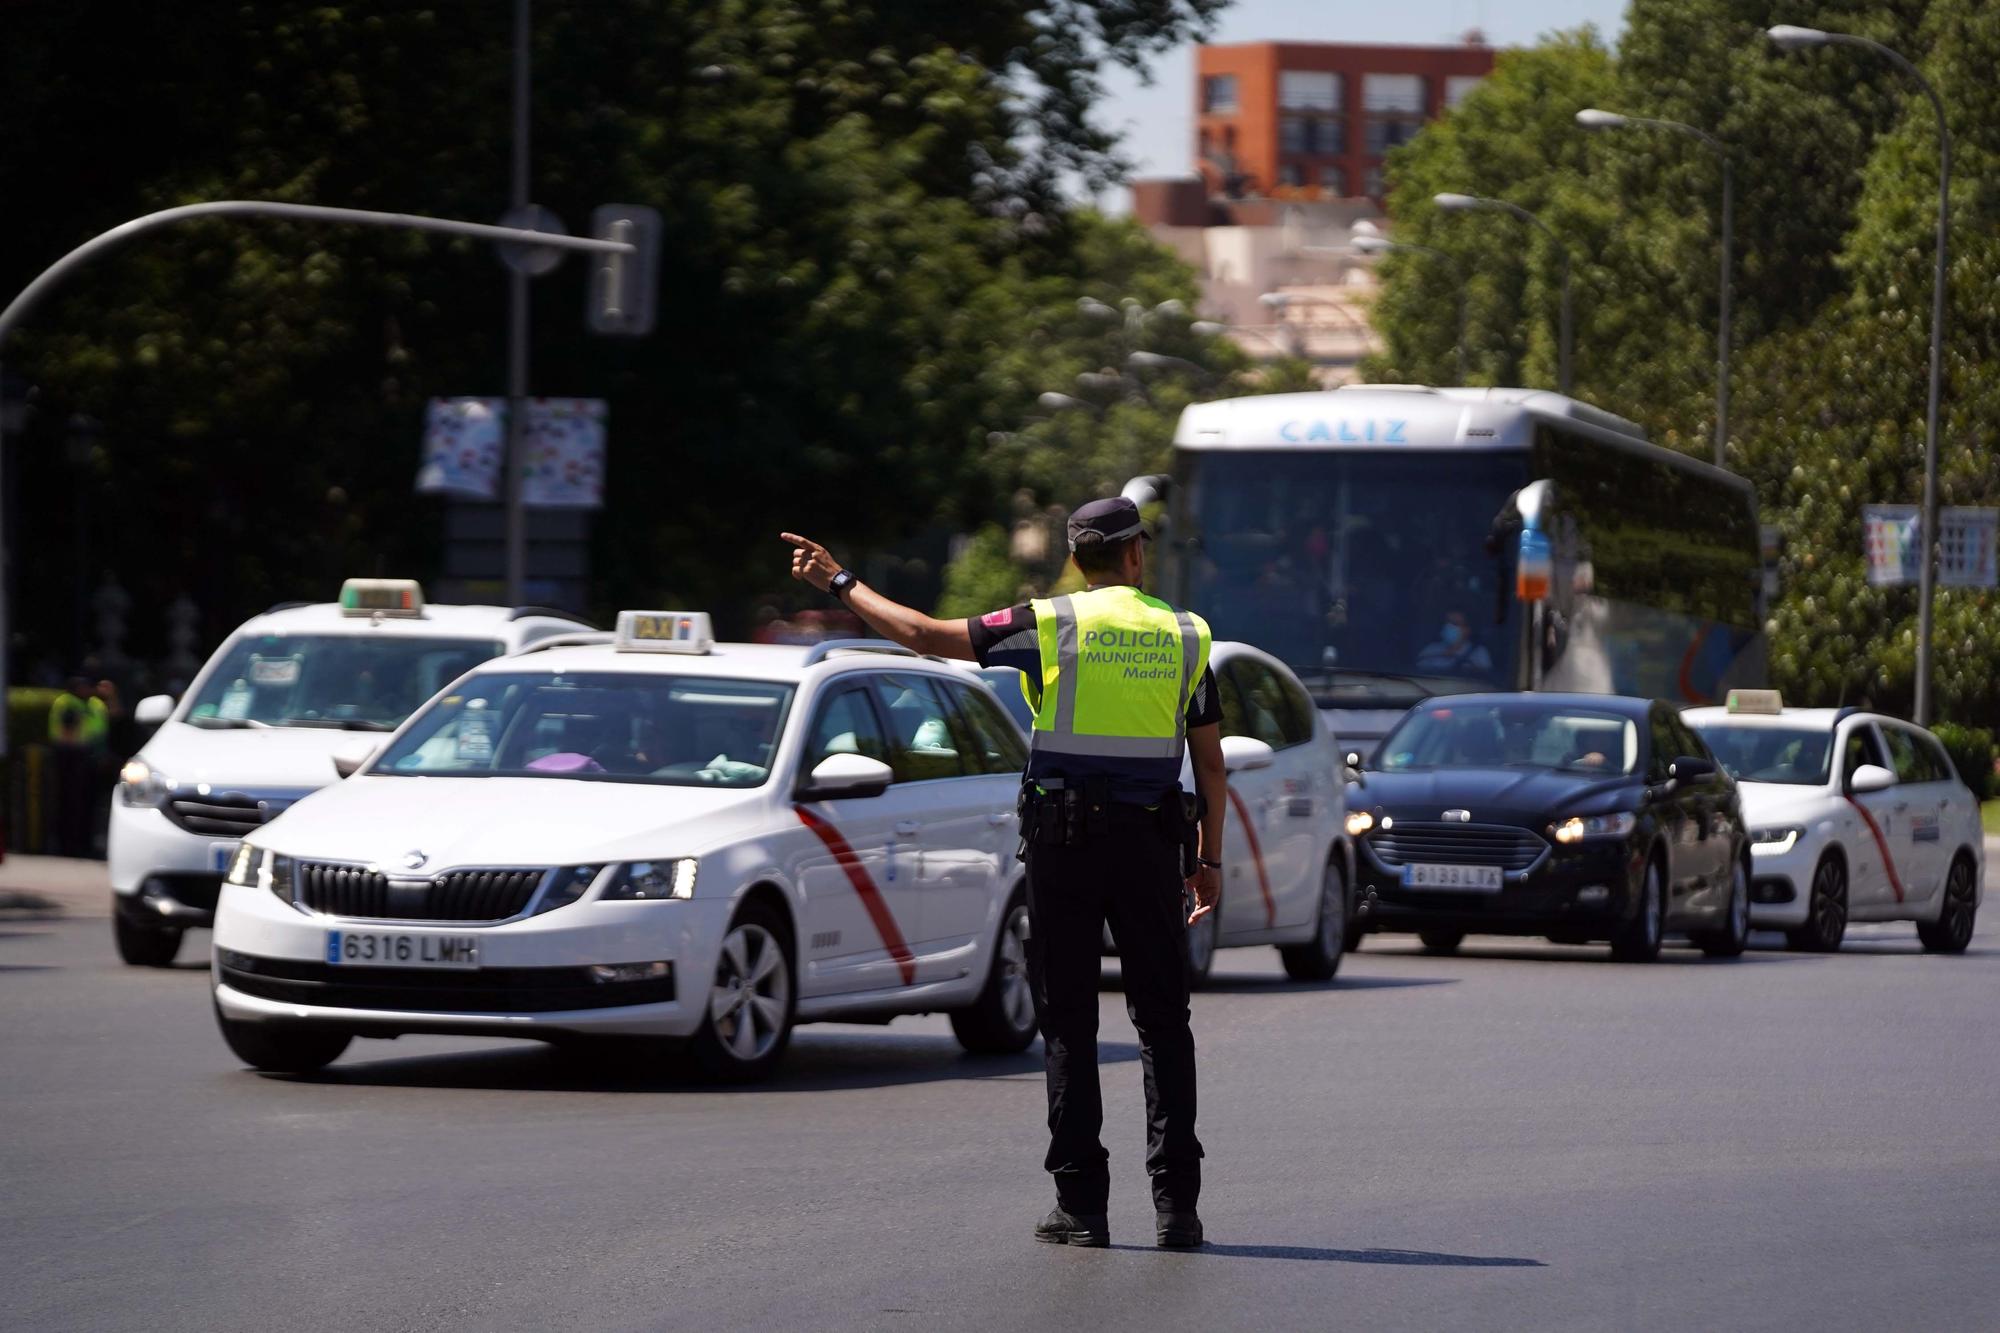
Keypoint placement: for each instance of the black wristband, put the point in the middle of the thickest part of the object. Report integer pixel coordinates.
(840, 583)
(1204, 861)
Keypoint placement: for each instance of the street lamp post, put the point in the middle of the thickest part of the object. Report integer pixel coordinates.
(1280, 302)
(1789, 38)
(1372, 243)
(1593, 119)
(1465, 203)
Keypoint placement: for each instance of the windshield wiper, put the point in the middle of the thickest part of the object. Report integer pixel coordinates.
(1332, 677)
(226, 723)
(338, 723)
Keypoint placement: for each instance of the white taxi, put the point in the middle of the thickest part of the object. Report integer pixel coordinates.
(258, 728)
(654, 836)
(1853, 817)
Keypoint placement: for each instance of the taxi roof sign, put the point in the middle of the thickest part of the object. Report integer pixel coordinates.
(1756, 701)
(381, 597)
(663, 632)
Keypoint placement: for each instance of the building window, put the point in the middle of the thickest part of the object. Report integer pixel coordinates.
(1292, 134)
(1457, 86)
(1394, 104)
(1333, 181)
(1218, 93)
(1290, 174)
(1308, 90)
(1310, 134)
(1374, 186)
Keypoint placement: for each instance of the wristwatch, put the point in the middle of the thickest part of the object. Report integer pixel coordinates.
(1204, 861)
(840, 583)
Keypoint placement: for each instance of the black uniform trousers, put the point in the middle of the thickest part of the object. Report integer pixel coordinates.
(1130, 876)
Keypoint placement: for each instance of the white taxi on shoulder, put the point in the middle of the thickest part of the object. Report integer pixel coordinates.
(258, 729)
(653, 836)
(1852, 816)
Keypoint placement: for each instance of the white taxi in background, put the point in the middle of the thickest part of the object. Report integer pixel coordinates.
(654, 836)
(258, 728)
(1853, 817)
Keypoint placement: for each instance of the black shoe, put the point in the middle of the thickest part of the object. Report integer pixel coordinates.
(1178, 1231)
(1062, 1228)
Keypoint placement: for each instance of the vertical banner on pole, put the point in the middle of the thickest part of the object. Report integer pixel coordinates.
(565, 454)
(465, 440)
(1889, 533)
(1966, 540)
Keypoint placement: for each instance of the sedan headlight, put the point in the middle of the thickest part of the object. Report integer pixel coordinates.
(638, 881)
(139, 783)
(1775, 841)
(1359, 822)
(1578, 827)
(261, 868)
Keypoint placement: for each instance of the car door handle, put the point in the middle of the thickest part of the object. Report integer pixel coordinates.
(998, 817)
(905, 827)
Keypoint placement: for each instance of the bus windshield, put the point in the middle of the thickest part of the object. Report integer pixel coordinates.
(1365, 571)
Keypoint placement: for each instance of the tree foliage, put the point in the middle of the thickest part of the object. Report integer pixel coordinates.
(1835, 156)
(861, 228)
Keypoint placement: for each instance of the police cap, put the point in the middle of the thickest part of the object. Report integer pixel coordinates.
(1106, 521)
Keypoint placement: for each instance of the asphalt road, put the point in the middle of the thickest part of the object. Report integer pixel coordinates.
(1519, 1137)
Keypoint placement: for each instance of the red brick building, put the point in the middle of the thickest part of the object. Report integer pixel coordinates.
(1314, 120)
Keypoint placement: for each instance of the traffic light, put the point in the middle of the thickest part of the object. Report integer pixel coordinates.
(624, 287)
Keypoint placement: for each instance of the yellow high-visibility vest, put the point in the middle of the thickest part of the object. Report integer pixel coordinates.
(1118, 668)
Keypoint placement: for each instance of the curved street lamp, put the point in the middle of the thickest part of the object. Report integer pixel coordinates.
(1789, 38)
(1374, 243)
(1593, 119)
(1466, 203)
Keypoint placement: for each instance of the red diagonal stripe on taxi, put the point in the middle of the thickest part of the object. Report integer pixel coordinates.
(1881, 845)
(864, 888)
(1257, 855)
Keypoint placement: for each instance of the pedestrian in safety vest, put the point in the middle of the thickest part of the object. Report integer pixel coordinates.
(1120, 685)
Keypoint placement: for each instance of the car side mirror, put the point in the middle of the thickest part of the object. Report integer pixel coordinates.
(351, 759)
(846, 776)
(152, 710)
(1241, 754)
(1871, 777)
(1688, 768)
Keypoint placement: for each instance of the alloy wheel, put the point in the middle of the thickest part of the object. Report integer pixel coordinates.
(1739, 906)
(1958, 911)
(1651, 907)
(1829, 902)
(1017, 1002)
(752, 993)
(1332, 912)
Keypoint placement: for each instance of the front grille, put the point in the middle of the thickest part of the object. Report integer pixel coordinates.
(457, 895)
(489, 990)
(220, 816)
(1500, 845)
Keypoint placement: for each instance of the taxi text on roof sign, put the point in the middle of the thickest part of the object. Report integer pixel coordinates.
(383, 597)
(664, 632)
(1756, 701)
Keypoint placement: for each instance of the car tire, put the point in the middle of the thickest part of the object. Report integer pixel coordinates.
(1638, 940)
(1319, 958)
(1826, 909)
(141, 947)
(1357, 930)
(1203, 938)
(282, 1048)
(1734, 936)
(1440, 941)
(1002, 1020)
(1952, 931)
(750, 1001)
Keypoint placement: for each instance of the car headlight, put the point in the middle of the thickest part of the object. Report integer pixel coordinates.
(261, 868)
(638, 881)
(1578, 827)
(1359, 822)
(569, 884)
(1776, 841)
(139, 783)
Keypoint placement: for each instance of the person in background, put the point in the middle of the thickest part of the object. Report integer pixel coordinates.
(1455, 653)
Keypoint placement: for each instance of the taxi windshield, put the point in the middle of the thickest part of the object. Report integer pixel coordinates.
(1525, 735)
(610, 726)
(352, 682)
(1770, 754)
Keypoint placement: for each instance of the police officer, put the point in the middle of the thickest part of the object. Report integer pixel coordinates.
(1121, 687)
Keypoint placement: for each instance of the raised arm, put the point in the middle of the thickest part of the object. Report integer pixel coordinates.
(892, 620)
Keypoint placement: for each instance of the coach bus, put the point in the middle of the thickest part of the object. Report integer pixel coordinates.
(1392, 543)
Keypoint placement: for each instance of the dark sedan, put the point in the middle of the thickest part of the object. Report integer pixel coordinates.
(1576, 816)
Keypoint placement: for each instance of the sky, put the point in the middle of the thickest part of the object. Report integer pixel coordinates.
(1158, 121)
